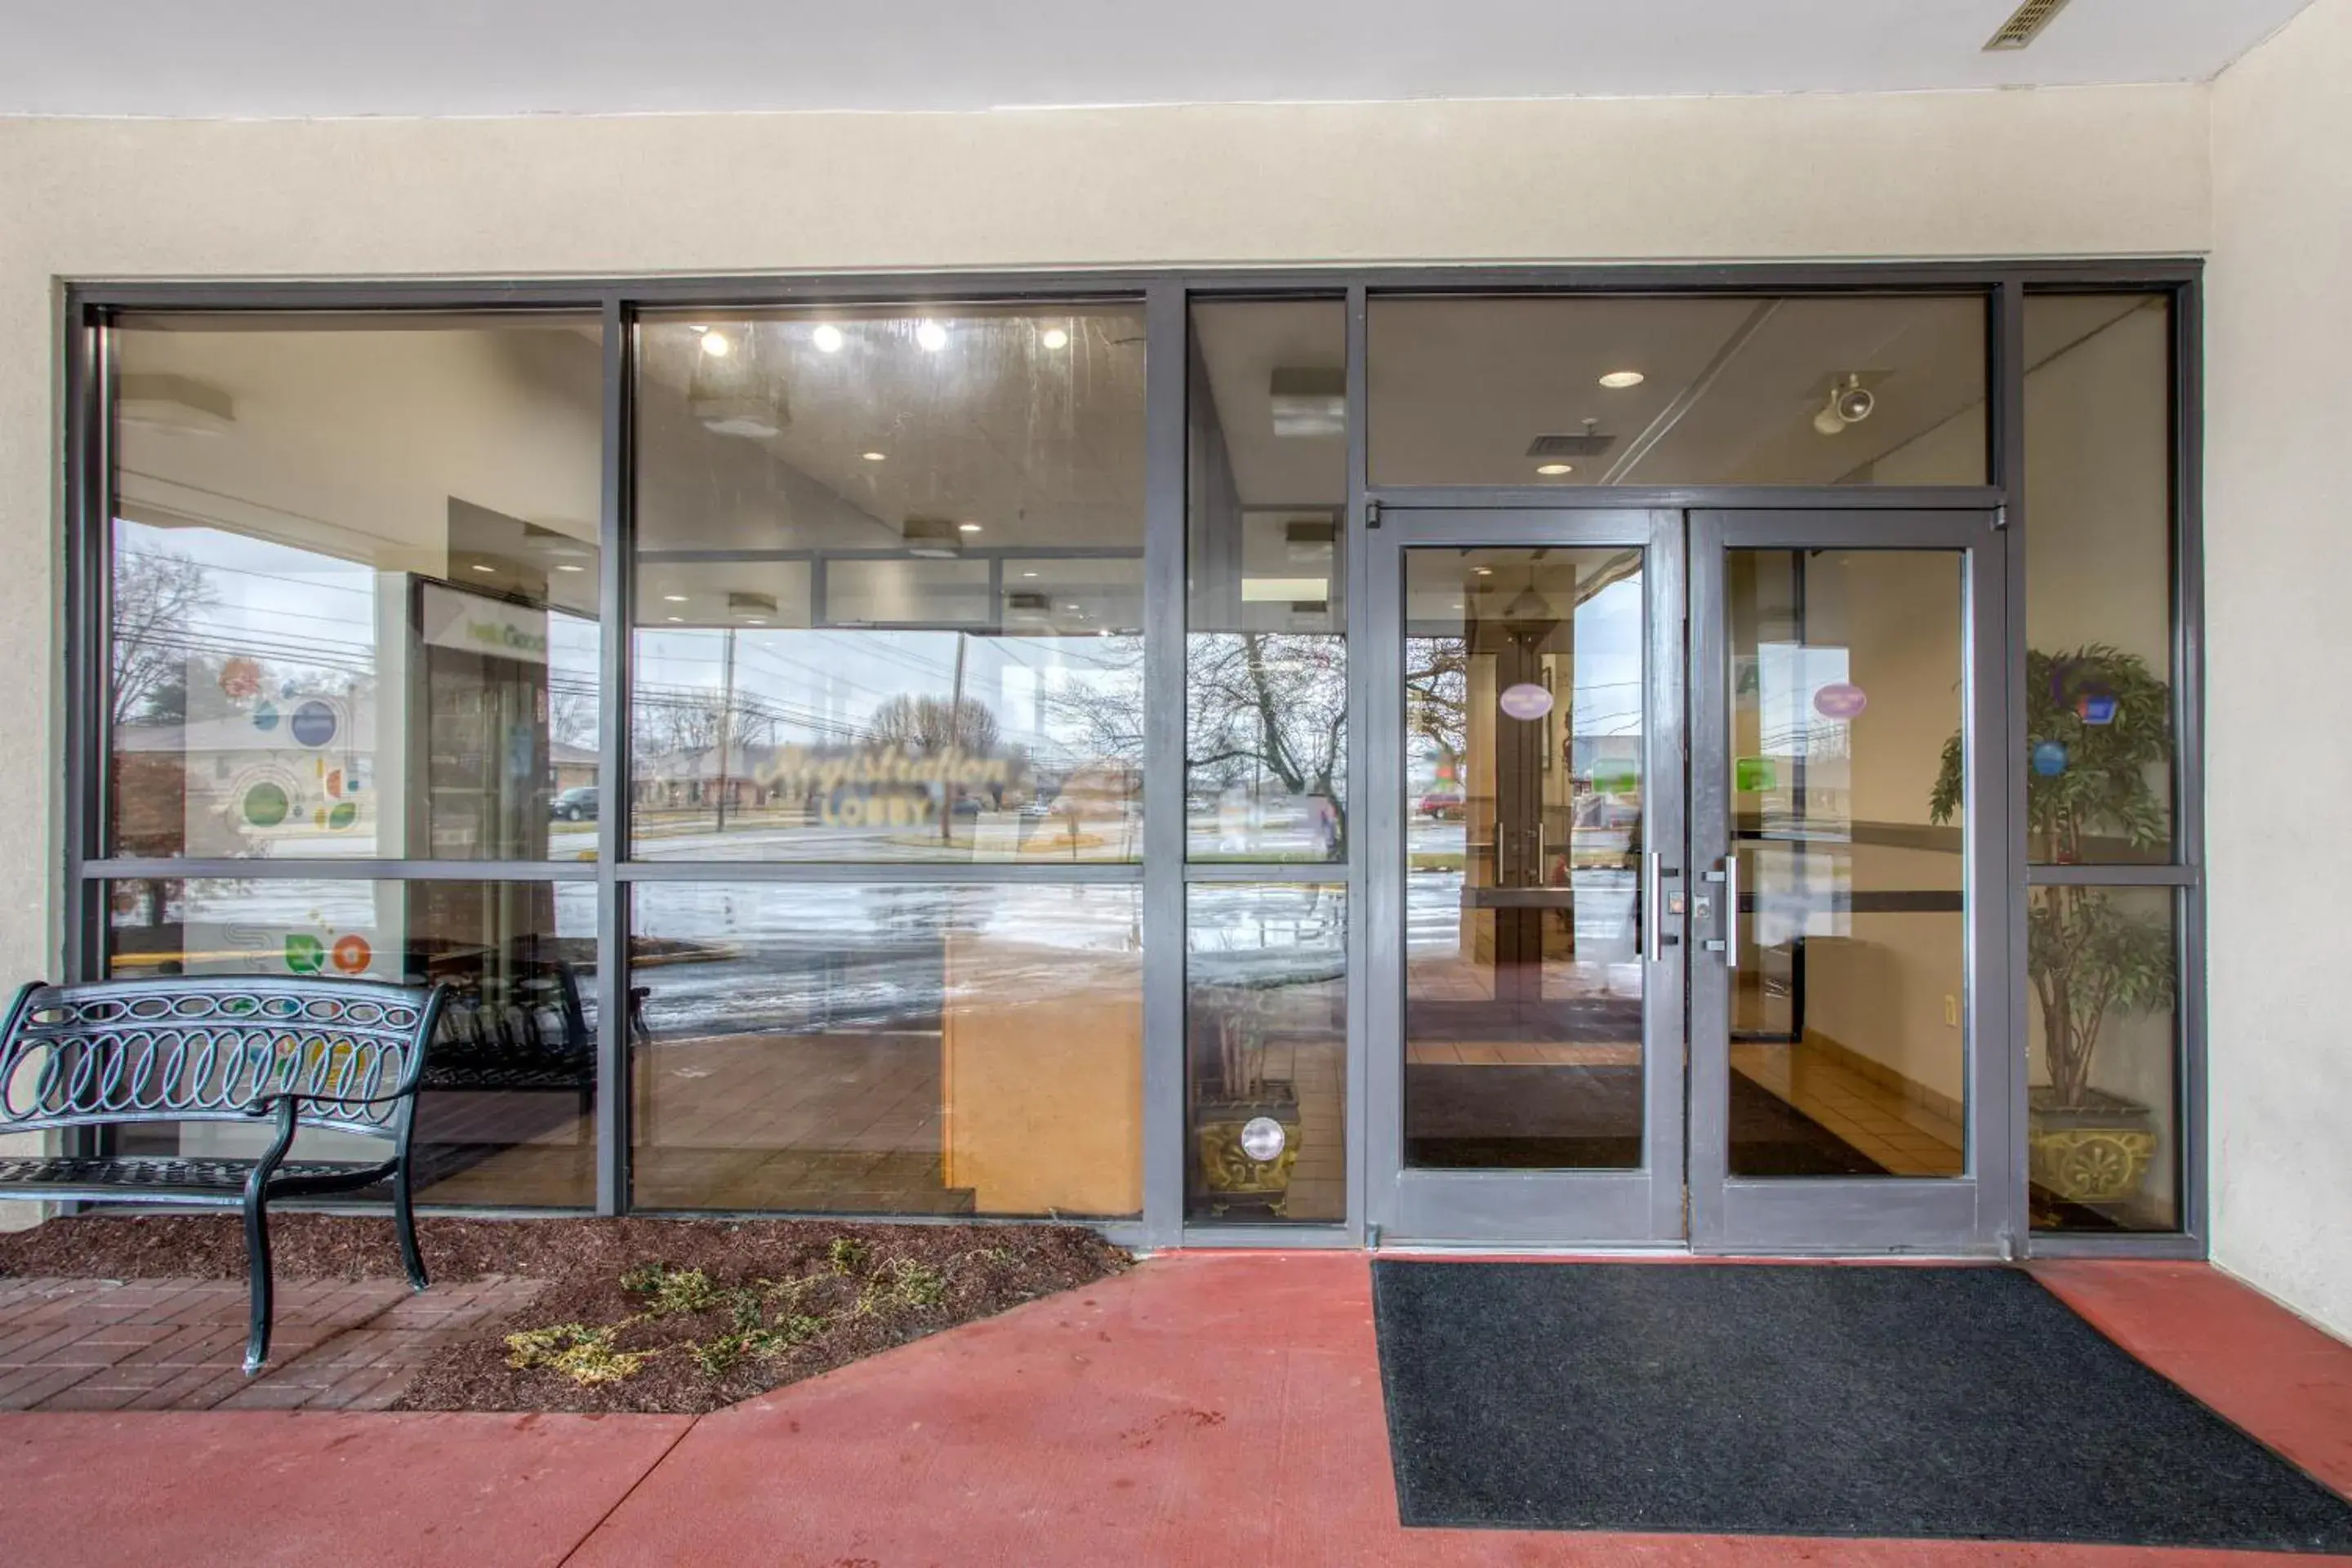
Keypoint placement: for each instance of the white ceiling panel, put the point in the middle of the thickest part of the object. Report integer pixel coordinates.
(304, 57)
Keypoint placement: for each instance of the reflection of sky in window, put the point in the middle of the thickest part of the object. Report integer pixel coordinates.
(1788, 676)
(1607, 696)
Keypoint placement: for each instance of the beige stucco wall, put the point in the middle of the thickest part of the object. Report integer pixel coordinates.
(2064, 173)
(2279, 734)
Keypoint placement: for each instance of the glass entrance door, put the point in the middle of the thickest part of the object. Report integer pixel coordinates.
(1685, 870)
(1527, 1009)
(1847, 833)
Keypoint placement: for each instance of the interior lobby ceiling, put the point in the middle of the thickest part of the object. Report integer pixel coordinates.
(272, 59)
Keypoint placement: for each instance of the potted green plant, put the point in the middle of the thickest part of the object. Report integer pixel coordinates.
(2098, 725)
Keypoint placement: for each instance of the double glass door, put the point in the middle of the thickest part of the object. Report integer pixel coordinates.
(1685, 881)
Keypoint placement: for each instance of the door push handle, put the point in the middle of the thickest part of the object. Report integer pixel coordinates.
(1655, 939)
(1728, 943)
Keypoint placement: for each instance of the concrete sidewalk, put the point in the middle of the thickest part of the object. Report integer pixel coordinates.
(1202, 1408)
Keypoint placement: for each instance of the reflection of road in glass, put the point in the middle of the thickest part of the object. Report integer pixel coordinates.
(1604, 914)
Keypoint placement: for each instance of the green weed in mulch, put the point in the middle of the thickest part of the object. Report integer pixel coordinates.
(662, 1315)
(700, 1327)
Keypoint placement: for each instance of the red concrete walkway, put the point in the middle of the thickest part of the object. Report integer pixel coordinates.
(1204, 1408)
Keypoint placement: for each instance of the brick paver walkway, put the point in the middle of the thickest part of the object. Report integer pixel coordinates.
(178, 1344)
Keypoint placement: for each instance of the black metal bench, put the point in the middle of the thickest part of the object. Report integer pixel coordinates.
(341, 1055)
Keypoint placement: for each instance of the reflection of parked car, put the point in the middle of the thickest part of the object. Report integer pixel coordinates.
(577, 803)
(1440, 805)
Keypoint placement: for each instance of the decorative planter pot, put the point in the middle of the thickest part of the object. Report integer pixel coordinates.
(1233, 1179)
(2095, 1152)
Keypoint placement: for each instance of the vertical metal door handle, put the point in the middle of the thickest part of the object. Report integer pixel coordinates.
(1731, 908)
(1650, 911)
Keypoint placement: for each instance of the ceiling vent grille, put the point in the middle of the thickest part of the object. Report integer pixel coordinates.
(2025, 23)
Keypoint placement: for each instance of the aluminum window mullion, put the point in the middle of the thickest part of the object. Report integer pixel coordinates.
(1364, 773)
(270, 870)
(1164, 1099)
(616, 533)
(2006, 1168)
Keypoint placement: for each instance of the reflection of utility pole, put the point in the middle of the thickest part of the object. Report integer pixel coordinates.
(955, 733)
(726, 721)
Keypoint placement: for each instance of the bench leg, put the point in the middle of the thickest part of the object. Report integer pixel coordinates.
(256, 1253)
(403, 1216)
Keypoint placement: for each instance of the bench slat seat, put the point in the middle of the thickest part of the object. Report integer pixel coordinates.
(213, 1183)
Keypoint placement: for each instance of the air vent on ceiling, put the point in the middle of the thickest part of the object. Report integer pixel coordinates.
(933, 538)
(743, 603)
(1310, 606)
(2025, 23)
(1589, 444)
(1028, 604)
(1310, 401)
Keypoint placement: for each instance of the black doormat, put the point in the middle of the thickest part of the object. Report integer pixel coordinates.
(1744, 1399)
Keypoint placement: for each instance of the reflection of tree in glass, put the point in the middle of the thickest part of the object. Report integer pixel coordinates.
(156, 594)
(1261, 703)
(929, 724)
(1437, 693)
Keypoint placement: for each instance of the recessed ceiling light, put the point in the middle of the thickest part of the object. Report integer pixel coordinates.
(1054, 338)
(967, 528)
(674, 598)
(1554, 468)
(932, 336)
(827, 338)
(677, 618)
(1618, 380)
(1104, 632)
(479, 567)
(1028, 574)
(716, 345)
(873, 457)
(1485, 571)
(755, 621)
(568, 566)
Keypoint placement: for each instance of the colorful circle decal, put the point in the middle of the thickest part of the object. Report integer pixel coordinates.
(240, 677)
(1841, 700)
(352, 954)
(314, 723)
(265, 715)
(343, 815)
(266, 805)
(305, 954)
(2050, 759)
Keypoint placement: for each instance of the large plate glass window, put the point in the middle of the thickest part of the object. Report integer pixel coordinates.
(888, 1047)
(889, 585)
(508, 1115)
(355, 588)
(1266, 650)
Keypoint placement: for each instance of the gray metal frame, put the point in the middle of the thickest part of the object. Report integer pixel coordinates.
(1974, 1213)
(1611, 1208)
(84, 347)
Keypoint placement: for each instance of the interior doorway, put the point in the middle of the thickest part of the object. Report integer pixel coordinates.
(1683, 881)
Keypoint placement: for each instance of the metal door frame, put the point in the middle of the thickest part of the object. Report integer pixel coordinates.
(1640, 1207)
(1971, 1213)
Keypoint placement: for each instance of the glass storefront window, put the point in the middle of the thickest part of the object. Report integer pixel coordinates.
(2098, 578)
(2103, 1123)
(508, 1115)
(1266, 1008)
(1267, 652)
(1677, 390)
(355, 587)
(889, 1048)
(889, 585)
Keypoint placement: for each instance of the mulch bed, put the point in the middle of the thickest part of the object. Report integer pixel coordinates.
(661, 1315)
